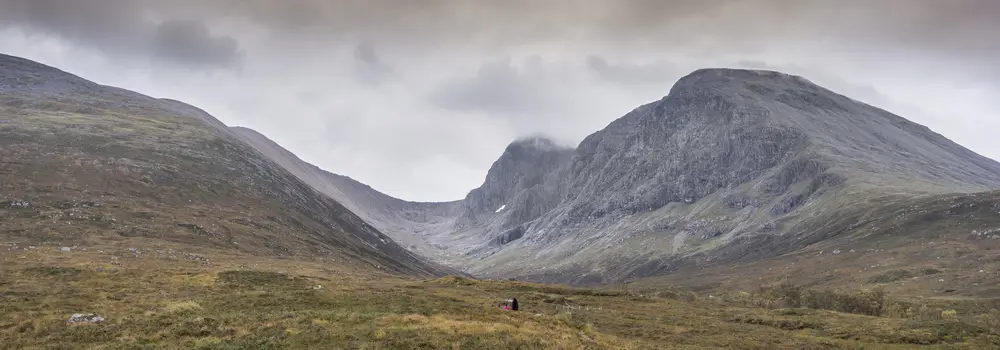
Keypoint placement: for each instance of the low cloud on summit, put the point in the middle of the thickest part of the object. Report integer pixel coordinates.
(418, 97)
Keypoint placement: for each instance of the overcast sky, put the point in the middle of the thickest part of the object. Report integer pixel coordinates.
(417, 98)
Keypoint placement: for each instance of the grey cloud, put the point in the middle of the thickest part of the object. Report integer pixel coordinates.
(365, 52)
(369, 67)
(633, 74)
(122, 29)
(966, 26)
(954, 28)
(497, 86)
(532, 95)
(107, 23)
(190, 41)
(309, 96)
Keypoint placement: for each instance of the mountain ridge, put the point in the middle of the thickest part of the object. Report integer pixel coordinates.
(727, 153)
(729, 161)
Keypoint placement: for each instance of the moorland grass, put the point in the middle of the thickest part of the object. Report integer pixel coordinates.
(154, 303)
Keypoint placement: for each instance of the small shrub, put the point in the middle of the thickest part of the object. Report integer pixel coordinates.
(785, 324)
(794, 312)
(871, 302)
(261, 279)
(990, 320)
(930, 271)
(947, 331)
(896, 310)
(742, 298)
(64, 274)
(564, 318)
(926, 313)
(668, 294)
(783, 294)
(570, 320)
(950, 315)
(181, 307)
(892, 276)
(53, 271)
(555, 299)
(198, 327)
(455, 280)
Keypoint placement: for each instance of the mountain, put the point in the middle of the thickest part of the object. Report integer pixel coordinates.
(92, 165)
(731, 171)
(729, 162)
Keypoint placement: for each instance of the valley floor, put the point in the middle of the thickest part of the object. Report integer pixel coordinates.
(164, 298)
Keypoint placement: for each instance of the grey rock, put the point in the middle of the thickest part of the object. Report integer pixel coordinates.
(85, 318)
(19, 204)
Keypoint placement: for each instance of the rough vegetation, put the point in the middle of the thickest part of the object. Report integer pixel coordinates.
(153, 302)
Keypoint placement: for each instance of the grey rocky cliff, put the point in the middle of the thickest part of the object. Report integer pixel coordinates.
(728, 154)
(519, 187)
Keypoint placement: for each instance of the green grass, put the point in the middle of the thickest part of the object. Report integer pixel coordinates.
(152, 303)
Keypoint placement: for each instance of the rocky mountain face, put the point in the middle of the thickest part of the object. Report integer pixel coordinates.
(727, 158)
(732, 154)
(82, 163)
(520, 187)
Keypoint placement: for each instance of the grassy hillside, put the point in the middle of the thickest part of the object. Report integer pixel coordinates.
(105, 175)
(939, 246)
(151, 300)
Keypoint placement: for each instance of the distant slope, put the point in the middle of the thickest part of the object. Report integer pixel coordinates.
(407, 222)
(82, 163)
(729, 162)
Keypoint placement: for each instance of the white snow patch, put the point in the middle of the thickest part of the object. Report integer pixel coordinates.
(501, 208)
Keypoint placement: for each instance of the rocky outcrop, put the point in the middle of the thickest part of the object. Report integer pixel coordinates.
(519, 187)
(85, 318)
